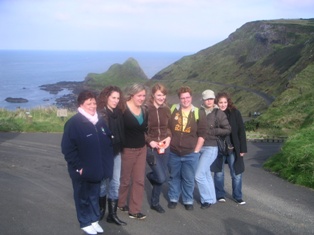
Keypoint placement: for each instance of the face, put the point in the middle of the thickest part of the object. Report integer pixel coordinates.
(185, 100)
(113, 100)
(223, 103)
(159, 98)
(139, 98)
(209, 103)
(89, 106)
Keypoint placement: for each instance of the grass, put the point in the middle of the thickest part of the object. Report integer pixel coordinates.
(295, 162)
(35, 120)
(292, 115)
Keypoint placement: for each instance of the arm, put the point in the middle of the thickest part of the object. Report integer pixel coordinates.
(201, 131)
(224, 127)
(199, 144)
(241, 133)
(69, 146)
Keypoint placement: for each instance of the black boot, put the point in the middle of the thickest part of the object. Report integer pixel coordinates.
(102, 205)
(112, 216)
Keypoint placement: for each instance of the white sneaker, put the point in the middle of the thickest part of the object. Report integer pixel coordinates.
(97, 227)
(221, 199)
(240, 201)
(89, 230)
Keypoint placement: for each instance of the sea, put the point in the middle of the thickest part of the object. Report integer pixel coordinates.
(23, 71)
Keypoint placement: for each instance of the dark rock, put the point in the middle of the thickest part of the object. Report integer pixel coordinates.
(16, 100)
(67, 101)
(60, 86)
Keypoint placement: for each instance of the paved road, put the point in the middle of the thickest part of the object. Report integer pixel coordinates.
(36, 197)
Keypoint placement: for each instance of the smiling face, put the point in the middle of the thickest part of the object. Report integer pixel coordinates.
(159, 98)
(222, 103)
(89, 106)
(139, 98)
(185, 100)
(113, 100)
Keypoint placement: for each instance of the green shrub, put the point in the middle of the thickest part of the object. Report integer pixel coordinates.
(295, 162)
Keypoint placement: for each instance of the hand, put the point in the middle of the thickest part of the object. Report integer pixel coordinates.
(154, 144)
(242, 154)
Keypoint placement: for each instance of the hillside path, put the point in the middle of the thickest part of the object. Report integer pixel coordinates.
(268, 99)
(36, 197)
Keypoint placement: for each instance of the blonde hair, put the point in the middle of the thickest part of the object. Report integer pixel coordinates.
(135, 88)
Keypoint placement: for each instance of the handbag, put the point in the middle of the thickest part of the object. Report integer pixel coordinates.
(222, 146)
(150, 157)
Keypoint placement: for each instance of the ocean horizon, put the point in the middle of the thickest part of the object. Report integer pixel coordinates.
(23, 71)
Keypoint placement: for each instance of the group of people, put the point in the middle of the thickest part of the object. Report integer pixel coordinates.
(109, 141)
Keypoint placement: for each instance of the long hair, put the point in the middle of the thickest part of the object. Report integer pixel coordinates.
(220, 95)
(135, 88)
(155, 88)
(102, 99)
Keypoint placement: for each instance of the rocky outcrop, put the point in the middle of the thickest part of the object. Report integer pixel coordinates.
(119, 75)
(16, 100)
(67, 101)
(60, 86)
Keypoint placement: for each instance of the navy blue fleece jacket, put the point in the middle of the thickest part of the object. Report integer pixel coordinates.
(88, 147)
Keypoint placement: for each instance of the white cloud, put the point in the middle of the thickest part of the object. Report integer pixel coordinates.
(178, 25)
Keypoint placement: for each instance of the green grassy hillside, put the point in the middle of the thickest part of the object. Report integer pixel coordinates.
(268, 67)
(120, 75)
(292, 114)
(260, 56)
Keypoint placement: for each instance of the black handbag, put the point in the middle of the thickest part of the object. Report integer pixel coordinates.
(150, 157)
(222, 145)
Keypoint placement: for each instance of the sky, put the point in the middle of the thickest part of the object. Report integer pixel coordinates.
(134, 25)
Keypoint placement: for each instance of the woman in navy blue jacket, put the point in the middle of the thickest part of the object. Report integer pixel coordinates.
(86, 145)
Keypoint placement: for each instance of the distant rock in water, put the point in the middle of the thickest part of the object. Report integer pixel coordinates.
(16, 100)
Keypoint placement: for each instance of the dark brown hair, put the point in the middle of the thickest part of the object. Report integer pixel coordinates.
(102, 99)
(227, 96)
(85, 95)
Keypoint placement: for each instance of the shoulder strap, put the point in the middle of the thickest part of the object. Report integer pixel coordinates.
(172, 108)
(216, 120)
(196, 111)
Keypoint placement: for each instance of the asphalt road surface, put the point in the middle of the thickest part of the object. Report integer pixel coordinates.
(36, 197)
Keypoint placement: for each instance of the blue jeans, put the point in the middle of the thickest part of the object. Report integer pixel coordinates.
(158, 175)
(110, 187)
(236, 179)
(182, 172)
(86, 195)
(203, 175)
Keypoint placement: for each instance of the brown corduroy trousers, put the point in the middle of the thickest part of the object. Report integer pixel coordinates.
(133, 162)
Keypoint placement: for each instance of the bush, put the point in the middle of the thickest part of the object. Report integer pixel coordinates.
(296, 160)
